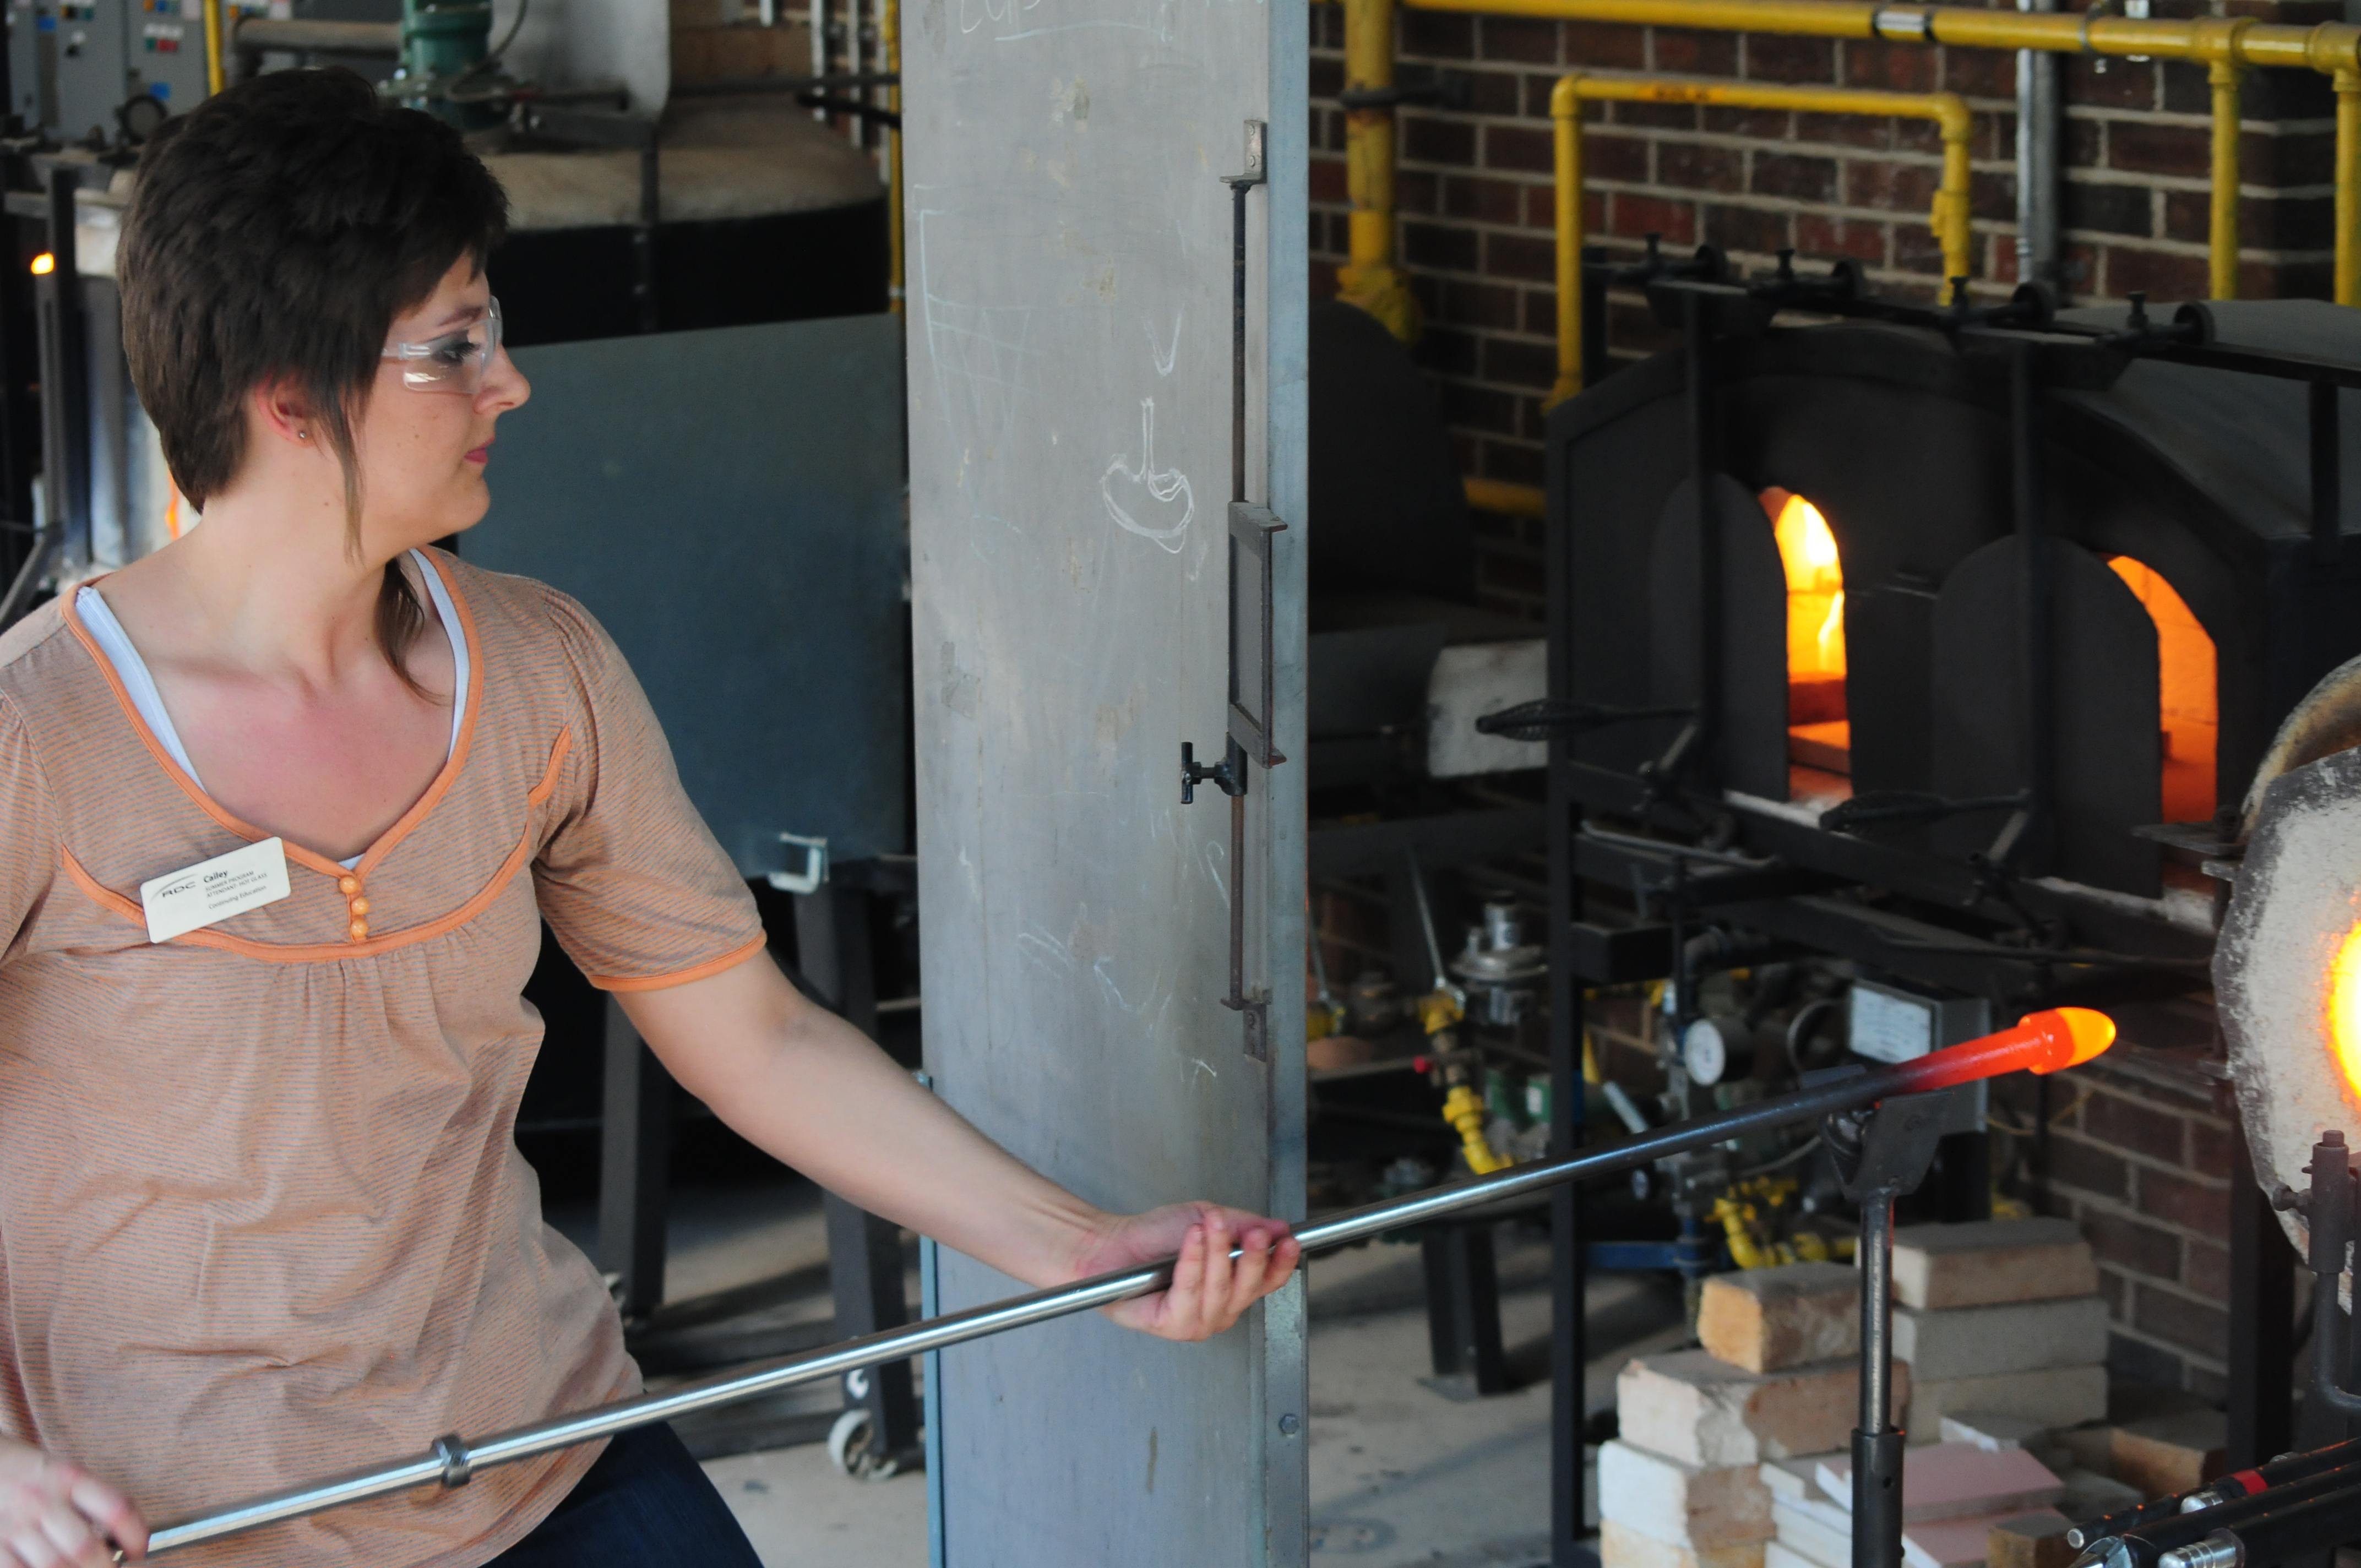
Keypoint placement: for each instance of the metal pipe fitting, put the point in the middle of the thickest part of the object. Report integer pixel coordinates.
(2220, 1550)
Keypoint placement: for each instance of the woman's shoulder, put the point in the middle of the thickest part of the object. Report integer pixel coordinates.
(523, 615)
(42, 668)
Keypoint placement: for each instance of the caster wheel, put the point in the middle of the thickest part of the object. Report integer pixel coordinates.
(848, 1449)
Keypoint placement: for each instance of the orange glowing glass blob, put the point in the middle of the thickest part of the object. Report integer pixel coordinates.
(44, 264)
(2345, 1011)
(2185, 691)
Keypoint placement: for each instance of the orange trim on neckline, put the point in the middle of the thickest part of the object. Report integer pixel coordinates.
(311, 952)
(310, 858)
(730, 959)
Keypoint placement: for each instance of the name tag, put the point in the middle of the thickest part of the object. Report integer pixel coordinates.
(215, 890)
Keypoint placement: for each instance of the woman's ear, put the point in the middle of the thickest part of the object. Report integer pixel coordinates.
(284, 409)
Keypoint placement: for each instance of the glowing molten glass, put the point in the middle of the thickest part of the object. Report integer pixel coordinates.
(2345, 1011)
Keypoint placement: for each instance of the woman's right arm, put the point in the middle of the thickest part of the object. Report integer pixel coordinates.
(55, 1515)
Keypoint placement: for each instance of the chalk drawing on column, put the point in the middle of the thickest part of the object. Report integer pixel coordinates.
(1164, 486)
(984, 361)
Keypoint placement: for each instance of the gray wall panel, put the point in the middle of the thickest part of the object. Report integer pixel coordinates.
(1069, 319)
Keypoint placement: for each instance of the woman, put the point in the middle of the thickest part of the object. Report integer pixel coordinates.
(263, 1217)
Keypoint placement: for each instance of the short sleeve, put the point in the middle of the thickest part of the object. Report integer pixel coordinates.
(28, 831)
(629, 876)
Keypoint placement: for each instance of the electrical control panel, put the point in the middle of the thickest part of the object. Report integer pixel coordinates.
(73, 64)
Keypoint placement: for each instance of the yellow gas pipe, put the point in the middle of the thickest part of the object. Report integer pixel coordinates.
(1949, 218)
(2226, 46)
(1370, 277)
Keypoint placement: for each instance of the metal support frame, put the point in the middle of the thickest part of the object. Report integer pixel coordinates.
(635, 1168)
(1463, 1306)
(2261, 1362)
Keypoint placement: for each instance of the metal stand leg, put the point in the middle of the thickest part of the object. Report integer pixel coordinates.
(1463, 1306)
(2262, 1304)
(1881, 1154)
(865, 1253)
(635, 1168)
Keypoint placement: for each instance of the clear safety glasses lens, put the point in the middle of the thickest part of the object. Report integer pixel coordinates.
(456, 361)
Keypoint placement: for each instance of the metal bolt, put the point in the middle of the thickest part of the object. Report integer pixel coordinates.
(2220, 1550)
(1289, 1426)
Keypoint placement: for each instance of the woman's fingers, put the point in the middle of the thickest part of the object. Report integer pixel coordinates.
(110, 1513)
(71, 1537)
(1219, 1272)
(32, 1548)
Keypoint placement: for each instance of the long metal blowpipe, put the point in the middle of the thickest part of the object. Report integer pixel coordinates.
(2042, 1042)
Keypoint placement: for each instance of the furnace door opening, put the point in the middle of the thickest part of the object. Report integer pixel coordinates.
(1819, 730)
(2188, 717)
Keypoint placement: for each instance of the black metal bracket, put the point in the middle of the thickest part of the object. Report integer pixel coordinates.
(1545, 717)
(1229, 775)
(1442, 90)
(1908, 805)
(2327, 1205)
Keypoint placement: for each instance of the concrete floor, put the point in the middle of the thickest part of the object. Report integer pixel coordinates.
(1401, 1474)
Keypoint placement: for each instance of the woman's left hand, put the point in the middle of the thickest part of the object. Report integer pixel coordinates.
(1210, 1289)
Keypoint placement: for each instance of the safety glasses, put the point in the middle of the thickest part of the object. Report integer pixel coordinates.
(455, 362)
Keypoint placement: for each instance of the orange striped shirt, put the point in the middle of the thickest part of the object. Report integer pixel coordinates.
(262, 1216)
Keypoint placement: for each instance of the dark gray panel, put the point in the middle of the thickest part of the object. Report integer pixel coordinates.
(728, 503)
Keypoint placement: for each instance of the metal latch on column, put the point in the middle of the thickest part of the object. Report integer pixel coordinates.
(1250, 705)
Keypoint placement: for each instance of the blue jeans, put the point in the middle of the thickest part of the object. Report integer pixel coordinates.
(647, 1504)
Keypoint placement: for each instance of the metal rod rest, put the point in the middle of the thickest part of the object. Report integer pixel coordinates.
(453, 1456)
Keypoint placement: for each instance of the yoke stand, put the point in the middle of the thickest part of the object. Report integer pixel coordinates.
(1882, 1152)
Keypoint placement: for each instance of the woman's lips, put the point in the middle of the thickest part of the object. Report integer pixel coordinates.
(481, 455)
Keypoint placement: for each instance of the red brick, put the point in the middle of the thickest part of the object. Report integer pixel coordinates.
(1440, 247)
(1418, 191)
(1695, 53)
(2088, 1168)
(2213, 1148)
(1327, 77)
(1756, 124)
(1657, 116)
(1922, 136)
(1541, 312)
(1691, 166)
(1916, 249)
(2133, 1125)
(2106, 207)
(1909, 68)
(1495, 91)
(1749, 229)
(2085, 143)
(2182, 1201)
(1326, 179)
(1980, 73)
(1440, 34)
(2206, 1270)
(1483, 201)
(1772, 58)
(1896, 187)
(1871, 131)
(1594, 212)
(2122, 85)
(1994, 137)
(1609, 157)
(1324, 275)
(2284, 279)
(1520, 362)
(1797, 178)
(1991, 196)
(1529, 150)
(1520, 256)
(1527, 39)
(1480, 304)
(2164, 278)
(2178, 1321)
(2290, 157)
(1605, 46)
(2149, 149)
(1427, 140)
(2130, 1244)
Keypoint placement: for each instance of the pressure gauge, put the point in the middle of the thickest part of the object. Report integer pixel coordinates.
(1710, 1048)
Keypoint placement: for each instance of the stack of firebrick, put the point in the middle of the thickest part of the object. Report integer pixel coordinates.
(1736, 1454)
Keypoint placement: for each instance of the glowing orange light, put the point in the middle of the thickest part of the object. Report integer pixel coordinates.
(2345, 1010)
(2185, 693)
(44, 264)
(2044, 1042)
(1807, 549)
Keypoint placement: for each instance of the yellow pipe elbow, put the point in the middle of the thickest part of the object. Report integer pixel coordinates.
(1464, 1108)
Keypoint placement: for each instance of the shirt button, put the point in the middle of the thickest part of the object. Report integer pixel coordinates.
(360, 930)
(360, 905)
(349, 885)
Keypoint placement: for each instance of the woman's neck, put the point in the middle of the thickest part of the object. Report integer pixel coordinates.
(258, 590)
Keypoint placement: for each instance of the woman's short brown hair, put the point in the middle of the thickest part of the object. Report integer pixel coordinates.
(277, 230)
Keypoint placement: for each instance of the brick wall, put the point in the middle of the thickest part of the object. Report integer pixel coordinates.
(1475, 192)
